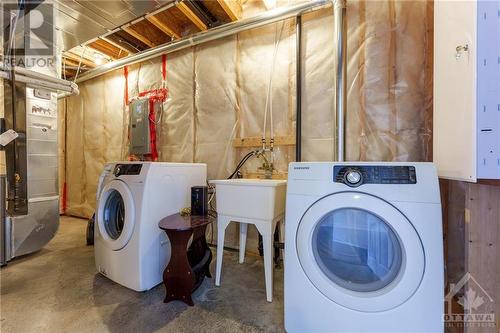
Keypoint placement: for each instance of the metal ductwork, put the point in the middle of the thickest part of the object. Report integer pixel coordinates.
(31, 196)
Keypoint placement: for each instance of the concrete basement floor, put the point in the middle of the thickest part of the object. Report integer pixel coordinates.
(58, 290)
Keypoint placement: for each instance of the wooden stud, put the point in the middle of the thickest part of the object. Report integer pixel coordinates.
(191, 16)
(232, 8)
(429, 78)
(261, 175)
(162, 26)
(140, 37)
(257, 141)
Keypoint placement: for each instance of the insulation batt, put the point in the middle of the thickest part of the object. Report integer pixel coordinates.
(218, 92)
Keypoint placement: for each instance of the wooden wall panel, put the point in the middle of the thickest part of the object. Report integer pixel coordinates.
(483, 237)
(471, 214)
(453, 202)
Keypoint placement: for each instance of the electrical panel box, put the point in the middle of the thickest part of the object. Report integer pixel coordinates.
(139, 127)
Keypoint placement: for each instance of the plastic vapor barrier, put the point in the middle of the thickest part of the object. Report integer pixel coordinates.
(218, 91)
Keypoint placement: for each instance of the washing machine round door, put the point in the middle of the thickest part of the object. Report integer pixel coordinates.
(360, 251)
(115, 214)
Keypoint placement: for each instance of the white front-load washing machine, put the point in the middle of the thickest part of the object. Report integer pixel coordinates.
(363, 248)
(133, 197)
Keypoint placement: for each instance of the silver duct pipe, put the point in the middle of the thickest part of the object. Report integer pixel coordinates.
(298, 87)
(222, 31)
(339, 12)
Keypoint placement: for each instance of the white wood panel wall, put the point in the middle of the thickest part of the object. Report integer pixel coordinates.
(455, 147)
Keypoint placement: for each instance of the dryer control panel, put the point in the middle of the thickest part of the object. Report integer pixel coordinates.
(357, 175)
(127, 169)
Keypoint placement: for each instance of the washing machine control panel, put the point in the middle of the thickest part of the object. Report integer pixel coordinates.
(357, 175)
(127, 169)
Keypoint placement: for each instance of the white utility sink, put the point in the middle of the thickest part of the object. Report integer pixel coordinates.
(260, 202)
(262, 199)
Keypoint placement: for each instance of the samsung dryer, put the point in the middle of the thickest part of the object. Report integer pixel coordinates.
(133, 197)
(364, 248)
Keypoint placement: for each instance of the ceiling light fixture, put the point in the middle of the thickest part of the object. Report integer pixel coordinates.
(270, 4)
(99, 59)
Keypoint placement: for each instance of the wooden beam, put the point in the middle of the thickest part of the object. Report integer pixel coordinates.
(262, 175)
(109, 49)
(76, 57)
(99, 49)
(69, 62)
(184, 8)
(109, 41)
(122, 38)
(231, 7)
(70, 72)
(162, 26)
(140, 37)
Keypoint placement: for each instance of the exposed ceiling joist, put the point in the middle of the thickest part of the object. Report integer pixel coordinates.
(69, 73)
(109, 41)
(177, 19)
(140, 37)
(113, 54)
(128, 42)
(162, 26)
(79, 59)
(184, 8)
(232, 8)
(70, 63)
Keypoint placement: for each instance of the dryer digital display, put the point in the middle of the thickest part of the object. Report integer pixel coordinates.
(358, 175)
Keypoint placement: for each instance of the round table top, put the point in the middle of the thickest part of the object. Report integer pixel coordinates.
(178, 222)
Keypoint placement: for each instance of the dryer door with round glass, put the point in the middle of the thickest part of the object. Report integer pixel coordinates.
(116, 214)
(360, 251)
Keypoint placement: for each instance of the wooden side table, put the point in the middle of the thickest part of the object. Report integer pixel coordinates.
(186, 269)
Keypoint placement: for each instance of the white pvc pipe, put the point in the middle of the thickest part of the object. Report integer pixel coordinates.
(35, 79)
(34, 82)
(40, 76)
